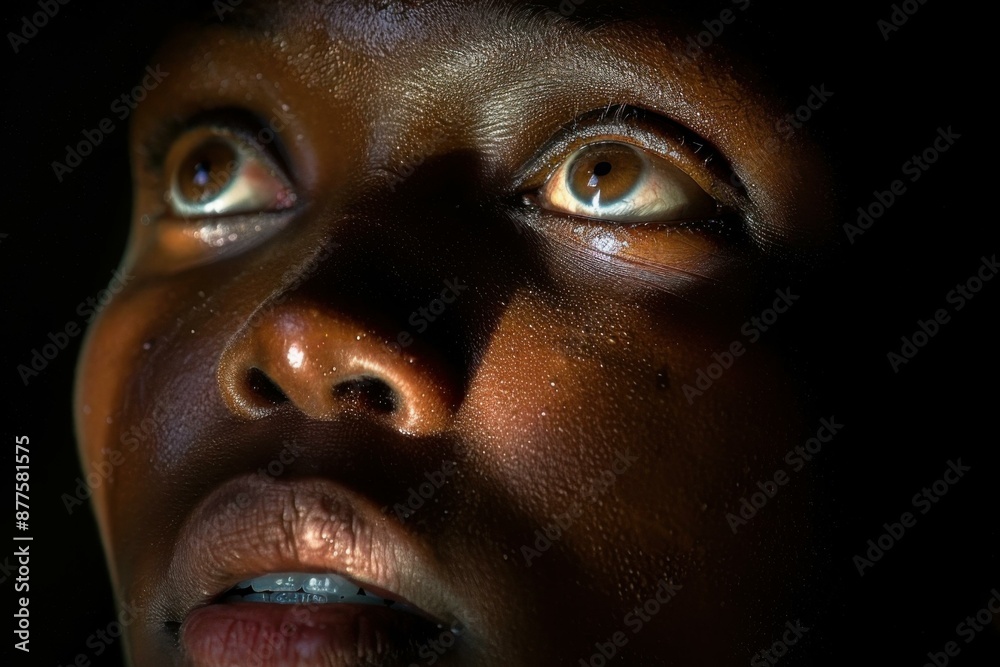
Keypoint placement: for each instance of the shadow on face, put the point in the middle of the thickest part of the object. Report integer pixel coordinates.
(467, 305)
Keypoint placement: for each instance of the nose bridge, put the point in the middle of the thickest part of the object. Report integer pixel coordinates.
(327, 364)
(387, 325)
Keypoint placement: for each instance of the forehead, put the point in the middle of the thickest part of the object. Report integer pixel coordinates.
(391, 28)
(383, 22)
(435, 49)
(504, 29)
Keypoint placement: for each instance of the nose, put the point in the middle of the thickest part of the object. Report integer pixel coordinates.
(327, 365)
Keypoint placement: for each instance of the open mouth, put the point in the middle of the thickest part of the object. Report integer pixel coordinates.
(305, 619)
(321, 579)
(307, 588)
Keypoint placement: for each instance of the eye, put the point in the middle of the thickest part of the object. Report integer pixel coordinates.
(616, 181)
(223, 192)
(215, 172)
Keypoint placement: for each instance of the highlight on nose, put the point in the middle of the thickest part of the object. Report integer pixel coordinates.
(328, 365)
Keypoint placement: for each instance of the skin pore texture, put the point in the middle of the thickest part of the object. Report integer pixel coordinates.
(394, 294)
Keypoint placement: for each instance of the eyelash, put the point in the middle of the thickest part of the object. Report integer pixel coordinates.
(177, 238)
(236, 121)
(644, 129)
(247, 156)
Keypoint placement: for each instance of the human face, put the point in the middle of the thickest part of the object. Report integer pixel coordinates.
(382, 325)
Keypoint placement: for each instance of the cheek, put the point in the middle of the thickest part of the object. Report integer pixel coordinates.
(110, 354)
(567, 404)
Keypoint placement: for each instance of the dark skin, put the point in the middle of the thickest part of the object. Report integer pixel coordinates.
(414, 149)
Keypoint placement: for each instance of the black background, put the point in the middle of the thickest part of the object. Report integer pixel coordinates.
(890, 97)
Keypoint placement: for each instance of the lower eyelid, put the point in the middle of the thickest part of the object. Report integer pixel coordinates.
(221, 233)
(177, 244)
(649, 258)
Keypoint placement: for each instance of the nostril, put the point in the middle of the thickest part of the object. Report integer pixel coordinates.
(302, 359)
(264, 388)
(369, 393)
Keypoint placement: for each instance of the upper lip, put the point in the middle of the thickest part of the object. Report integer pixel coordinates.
(252, 525)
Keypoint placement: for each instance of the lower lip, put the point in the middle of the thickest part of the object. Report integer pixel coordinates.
(327, 635)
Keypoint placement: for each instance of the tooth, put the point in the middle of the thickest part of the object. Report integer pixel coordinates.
(279, 581)
(290, 581)
(286, 597)
(309, 588)
(331, 584)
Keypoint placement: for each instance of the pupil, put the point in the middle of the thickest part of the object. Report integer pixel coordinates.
(600, 169)
(206, 171)
(201, 173)
(605, 173)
